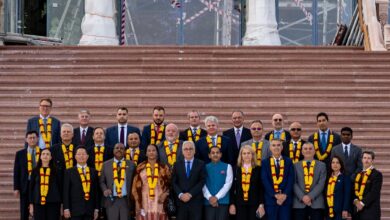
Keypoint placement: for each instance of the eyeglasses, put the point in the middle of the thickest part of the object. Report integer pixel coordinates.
(256, 129)
(188, 149)
(278, 119)
(296, 129)
(45, 106)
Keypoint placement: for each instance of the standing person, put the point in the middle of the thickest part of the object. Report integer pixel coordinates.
(277, 174)
(47, 125)
(25, 161)
(80, 189)
(63, 153)
(259, 145)
(83, 135)
(310, 177)
(278, 132)
(188, 178)
(115, 182)
(194, 132)
(151, 187)
(367, 188)
(170, 150)
(247, 196)
(135, 152)
(46, 189)
(98, 153)
(154, 133)
(216, 190)
(338, 191)
(293, 149)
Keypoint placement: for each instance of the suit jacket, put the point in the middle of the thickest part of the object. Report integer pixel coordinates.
(21, 172)
(265, 151)
(88, 137)
(54, 194)
(288, 135)
(245, 135)
(286, 186)
(336, 141)
(145, 140)
(342, 193)
(73, 197)
(202, 150)
(106, 179)
(353, 163)
(286, 149)
(58, 157)
(141, 157)
(371, 198)
(255, 195)
(184, 137)
(163, 155)
(316, 189)
(112, 137)
(192, 185)
(33, 125)
(107, 154)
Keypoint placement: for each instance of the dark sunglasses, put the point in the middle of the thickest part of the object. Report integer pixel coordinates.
(254, 129)
(278, 119)
(296, 129)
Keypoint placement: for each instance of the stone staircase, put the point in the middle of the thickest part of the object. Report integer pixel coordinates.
(351, 85)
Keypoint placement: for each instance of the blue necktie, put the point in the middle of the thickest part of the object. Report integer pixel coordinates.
(277, 135)
(213, 140)
(188, 168)
(346, 151)
(238, 138)
(323, 141)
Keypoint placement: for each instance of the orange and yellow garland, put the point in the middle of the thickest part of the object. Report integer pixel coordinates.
(277, 180)
(68, 156)
(246, 181)
(152, 179)
(171, 155)
(29, 159)
(99, 153)
(320, 156)
(44, 186)
(359, 189)
(46, 134)
(330, 195)
(210, 143)
(135, 156)
(153, 134)
(197, 135)
(119, 181)
(295, 158)
(85, 181)
(258, 152)
(308, 174)
(282, 136)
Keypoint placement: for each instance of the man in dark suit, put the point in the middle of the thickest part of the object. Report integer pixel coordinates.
(118, 133)
(278, 132)
(171, 146)
(135, 152)
(350, 154)
(97, 148)
(367, 205)
(238, 133)
(194, 132)
(43, 123)
(117, 202)
(63, 152)
(154, 133)
(213, 139)
(258, 143)
(83, 134)
(22, 172)
(293, 149)
(324, 139)
(188, 178)
(79, 202)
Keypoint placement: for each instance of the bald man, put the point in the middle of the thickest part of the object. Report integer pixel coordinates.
(278, 132)
(293, 149)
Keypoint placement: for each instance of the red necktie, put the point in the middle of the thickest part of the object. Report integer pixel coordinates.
(83, 137)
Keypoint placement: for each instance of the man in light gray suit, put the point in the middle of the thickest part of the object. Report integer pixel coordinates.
(308, 197)
(257, 140)
(116, 195)
(171, 145)
(349, 153)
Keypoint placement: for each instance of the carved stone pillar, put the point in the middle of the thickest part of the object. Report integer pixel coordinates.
(382, 7)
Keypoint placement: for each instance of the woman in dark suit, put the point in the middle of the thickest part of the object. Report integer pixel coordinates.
(338, 191)
(247, 200)
(45, 202)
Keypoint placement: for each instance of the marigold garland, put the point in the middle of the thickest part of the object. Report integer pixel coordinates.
(99, 153)
(119, 181)
(152, 179)
(295, 157)
(45, 134)
(320, 156)
(44, 183)
(171, 155)
(197, 135)
(282, 136)
(153, 134)
(308, 174)
(258, 151)
(85, 181)
(277, 180)
(68, 156)
(29, 160)
(330, 195)
(246, 181)
(359, 188)
(210, 143)
(135, 156)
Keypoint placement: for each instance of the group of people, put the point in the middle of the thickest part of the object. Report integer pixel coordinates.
(119, 173)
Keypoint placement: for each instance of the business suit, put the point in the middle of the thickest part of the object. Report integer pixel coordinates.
(286, 149)
(202, 150)
(265, 151)
(371, 198)
(272, 209)
(51, 210)
(145, 140)
(112, 135)
(163, 155)
(287, 135)
(73, 197)
(184, 134)
(141, 157)
(336, 141)
(301, 211)
(353, 163)
(21, 181)
(191, 210)
(247, 209)
(58, 157)
(88, 137)
(107, 154)
(120, 206)
(33, 125)
(245, 135)
(342, 196)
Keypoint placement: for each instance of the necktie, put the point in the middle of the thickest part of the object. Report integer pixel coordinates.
(308, 165)
(323, 141)
(188, 168)
(277, 167)
(295, 146)
(194, 132)
(83, 169)
(277, 135)
(346, 151)
(122, 135)
(257, 144)
(83, 137)
(132, 153)
(34, 163)
(45, 124)
(238, 138)
(170, 146)
(118, 168)
(213, 140)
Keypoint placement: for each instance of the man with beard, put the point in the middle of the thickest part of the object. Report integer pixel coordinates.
(63, 153)
(170, 149)
(194, 132)
(154, 133)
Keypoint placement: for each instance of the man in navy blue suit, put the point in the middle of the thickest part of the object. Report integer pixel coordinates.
(278, 197)
(118, 133)
(47, 126)
(154, 133)
(213, 139)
